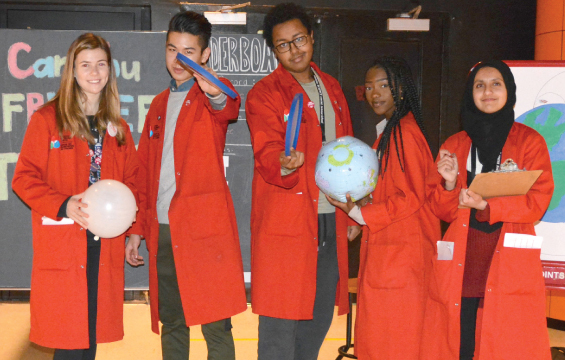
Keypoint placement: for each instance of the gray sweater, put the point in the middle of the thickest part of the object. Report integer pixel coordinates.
(167, 181)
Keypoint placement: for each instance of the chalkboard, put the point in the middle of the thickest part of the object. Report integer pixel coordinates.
(31, 75)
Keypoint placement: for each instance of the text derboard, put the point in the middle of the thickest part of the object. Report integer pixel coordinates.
(31, 69)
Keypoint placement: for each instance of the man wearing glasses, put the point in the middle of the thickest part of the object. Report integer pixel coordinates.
(299, 241)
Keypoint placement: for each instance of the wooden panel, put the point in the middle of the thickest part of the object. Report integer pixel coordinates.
(547, 302)
(549, 46)
(557, 305)
(549, 16)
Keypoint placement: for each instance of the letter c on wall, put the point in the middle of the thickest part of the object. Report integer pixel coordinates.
(13, 61)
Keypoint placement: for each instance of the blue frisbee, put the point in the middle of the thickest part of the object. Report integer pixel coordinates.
(206, 75)
(293, 123)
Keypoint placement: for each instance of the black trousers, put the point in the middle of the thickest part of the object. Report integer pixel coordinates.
(469, 307)
(92, 267)
(284, 339)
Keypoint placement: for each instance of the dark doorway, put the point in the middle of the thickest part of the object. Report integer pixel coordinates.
(350, 42)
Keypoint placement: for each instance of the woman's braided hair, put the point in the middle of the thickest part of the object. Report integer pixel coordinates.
(406, 100)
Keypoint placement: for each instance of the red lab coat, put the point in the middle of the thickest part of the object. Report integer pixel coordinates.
(396, 255)
(44, 178)
(513, 318)
(284, 211)
(201, 215)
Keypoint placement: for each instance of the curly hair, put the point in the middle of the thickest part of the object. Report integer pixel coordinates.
(281, 14)
(406, 100)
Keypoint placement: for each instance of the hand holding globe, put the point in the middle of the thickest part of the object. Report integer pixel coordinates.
(346, 171)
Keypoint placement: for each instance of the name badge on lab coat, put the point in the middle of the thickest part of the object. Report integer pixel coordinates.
(522, 241)
(445, 250)
(48, 221)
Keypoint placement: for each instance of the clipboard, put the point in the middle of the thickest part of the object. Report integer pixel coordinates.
(511, 183)
(293, 124)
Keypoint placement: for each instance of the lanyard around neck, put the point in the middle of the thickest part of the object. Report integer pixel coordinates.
(322, 114)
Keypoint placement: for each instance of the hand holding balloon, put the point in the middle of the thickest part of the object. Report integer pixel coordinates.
(111, 206)
(74, 212)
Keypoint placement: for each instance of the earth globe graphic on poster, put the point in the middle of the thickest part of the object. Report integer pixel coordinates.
(549, 121)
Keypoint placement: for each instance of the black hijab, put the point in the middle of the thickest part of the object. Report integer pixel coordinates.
(488, 132)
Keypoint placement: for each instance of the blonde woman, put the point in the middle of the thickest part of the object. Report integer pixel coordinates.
(73, 141)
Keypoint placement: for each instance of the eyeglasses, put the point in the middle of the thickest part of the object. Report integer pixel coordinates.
(298, 42)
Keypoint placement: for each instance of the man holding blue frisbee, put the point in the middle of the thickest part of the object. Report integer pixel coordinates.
(299, 241)
(186, 210)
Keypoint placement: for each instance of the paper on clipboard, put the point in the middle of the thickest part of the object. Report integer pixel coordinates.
(497, 184)
(64, 221)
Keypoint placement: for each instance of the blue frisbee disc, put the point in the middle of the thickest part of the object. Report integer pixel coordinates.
(206, 75)
(293, 124)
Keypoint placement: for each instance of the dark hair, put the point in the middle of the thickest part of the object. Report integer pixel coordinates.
(281, 14)
(406, 100)
(192, 23)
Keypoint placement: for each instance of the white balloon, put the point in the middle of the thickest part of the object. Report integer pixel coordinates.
(111, 208)
(347, 165)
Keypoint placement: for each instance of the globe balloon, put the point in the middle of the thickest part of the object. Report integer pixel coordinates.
(347, 165)
(111, 208)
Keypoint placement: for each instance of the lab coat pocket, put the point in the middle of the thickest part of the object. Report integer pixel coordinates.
(201, 217)
(520, 271)
(53, 249)
(387, 266)
(282, 216)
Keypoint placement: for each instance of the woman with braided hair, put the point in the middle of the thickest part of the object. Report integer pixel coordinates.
(401, 231)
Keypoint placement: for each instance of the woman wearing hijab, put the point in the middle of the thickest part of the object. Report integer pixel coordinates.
(488, 291)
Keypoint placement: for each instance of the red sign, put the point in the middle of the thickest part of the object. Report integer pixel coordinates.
(554, 275)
